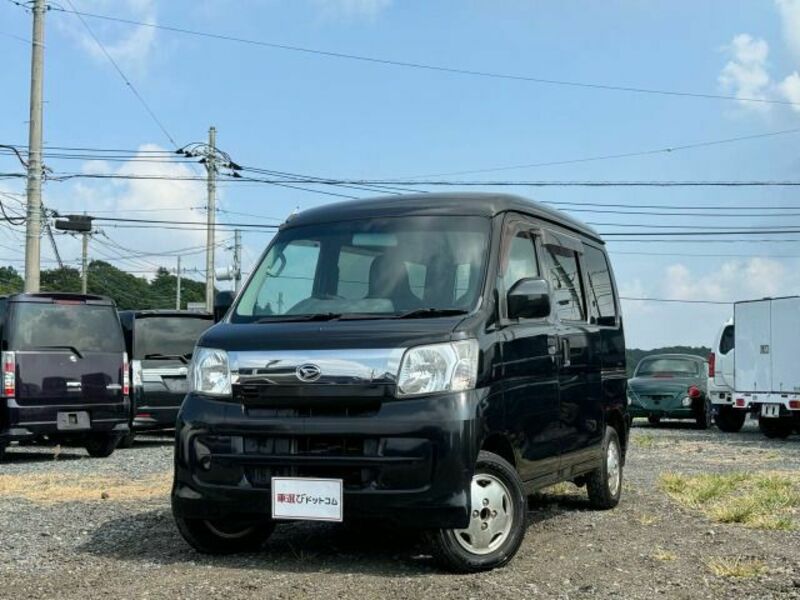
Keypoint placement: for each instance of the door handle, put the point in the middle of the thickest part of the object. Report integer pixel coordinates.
(565, 350)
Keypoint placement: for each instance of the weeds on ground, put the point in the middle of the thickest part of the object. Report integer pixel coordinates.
(54, 489)
(664, 555)
(645, 441)
(736, 567)
(762, 501)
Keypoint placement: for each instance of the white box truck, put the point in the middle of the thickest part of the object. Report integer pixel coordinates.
(767, 364)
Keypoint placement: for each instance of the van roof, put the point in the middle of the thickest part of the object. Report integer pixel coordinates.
(453, 203)
(46, 297)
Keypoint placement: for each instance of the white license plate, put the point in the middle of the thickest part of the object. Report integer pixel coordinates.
(78, 421)
(307, 499)
(770, 410)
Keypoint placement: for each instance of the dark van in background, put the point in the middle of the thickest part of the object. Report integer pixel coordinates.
(160, 344)
(65, 371)
(428, 360)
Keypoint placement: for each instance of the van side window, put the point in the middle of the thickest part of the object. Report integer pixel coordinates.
(600, 292)
(521, 260)
(565, 280)
(727, 341)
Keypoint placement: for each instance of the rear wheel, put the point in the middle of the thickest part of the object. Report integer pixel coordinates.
(497, 521)
(730, 420)
(127, 440)
(654, 420)
(224, 536)
(704, 418)
(101, 445)
(604, 484)
(779, 428)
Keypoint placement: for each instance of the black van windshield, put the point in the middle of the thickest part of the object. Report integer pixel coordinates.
(167, 337)
(71, 326)
(410, 267)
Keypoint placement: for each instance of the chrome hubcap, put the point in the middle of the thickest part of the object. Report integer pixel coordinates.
(613, 468)
(491, 518)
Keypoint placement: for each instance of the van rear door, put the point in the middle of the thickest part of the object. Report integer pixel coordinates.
(785, 333)
(753, 359)
(68, 352)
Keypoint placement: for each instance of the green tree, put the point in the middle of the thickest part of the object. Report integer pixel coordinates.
(11, 282)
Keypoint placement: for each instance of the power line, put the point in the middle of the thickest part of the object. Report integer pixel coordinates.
(665, 150)
(675, 301)
(426, 66)
(127, 81)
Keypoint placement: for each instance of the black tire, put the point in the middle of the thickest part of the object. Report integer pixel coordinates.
(126, 441)
(704, 415)
(101, 445)
(730, 420)
(452, 547)
(654, 420)
(224, 536)
(604, 484)
(777, 428)
(2, 451)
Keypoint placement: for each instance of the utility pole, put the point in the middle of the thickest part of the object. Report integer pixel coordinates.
(34, 191)
(237, 260)
(178, 288)
(84, 261)
(211, 170)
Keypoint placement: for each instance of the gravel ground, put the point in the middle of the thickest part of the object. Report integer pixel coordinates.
(76, 527)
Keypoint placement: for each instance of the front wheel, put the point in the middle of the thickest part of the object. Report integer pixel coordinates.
(776, 428)
(224, 536)
(497, 520)
(654, 420)
(730, 420)
(604, 484)
(101, 445)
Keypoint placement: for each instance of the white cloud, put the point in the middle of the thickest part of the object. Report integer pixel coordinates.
(734, 280)
(790, 89)
(745, 75)
(790, 20)
(368, 9)
(131, 47)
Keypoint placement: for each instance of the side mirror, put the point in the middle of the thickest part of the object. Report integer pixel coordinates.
(222, 302)
(529, 299)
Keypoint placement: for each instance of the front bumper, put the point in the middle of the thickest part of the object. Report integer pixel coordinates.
(674, 408)
(410, 462)
(21, 422)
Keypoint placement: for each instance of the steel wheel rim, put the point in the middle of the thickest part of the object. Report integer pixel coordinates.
(613, 468)
(491, 518)
(228, 535)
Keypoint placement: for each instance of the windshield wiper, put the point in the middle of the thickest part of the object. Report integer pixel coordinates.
(71, 348)
(157, 356)
(329, 316)
(422, 313)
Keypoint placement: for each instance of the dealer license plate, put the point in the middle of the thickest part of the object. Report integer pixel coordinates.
(307, 499)
(771, 410)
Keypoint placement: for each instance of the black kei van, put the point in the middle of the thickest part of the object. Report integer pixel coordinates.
(160, 344)
(428, 360)
(65, 371)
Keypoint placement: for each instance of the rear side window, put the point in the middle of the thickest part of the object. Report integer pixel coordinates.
(83, 327)
(600, 292)
(167, 336)
(565, 279)
(727, 341)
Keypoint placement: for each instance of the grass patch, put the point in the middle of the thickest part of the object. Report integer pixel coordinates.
(768, 501)
(645, 441)
(55, 489)
(664, 556)
(648, 519)
(736, 567)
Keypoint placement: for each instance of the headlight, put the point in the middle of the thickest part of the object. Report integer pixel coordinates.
(211, 373)
(450, 367)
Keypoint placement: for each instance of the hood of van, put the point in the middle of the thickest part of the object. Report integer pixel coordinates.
(331, 335)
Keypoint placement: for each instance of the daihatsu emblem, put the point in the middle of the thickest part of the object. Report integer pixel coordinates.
(308, 373)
